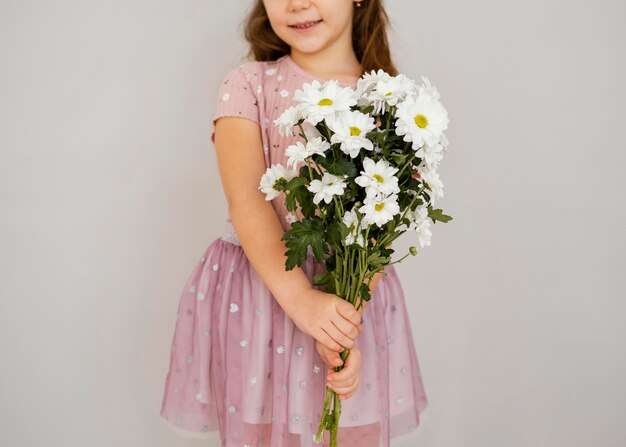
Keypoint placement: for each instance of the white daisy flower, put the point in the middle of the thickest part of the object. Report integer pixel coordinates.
(431, 155)
(274, 179)
(434, 183)
(287, 120)
(378, 177)
(317, 145)
(444, 143)
(319, 101)
(421, 119)
(299, 152)
(420, 223)
(379, 209)
(427, 88)
(368, 81)
(351, 220)
(389, 92)
(355, 238)
(296, 152)
(326, 188)
(350, 129)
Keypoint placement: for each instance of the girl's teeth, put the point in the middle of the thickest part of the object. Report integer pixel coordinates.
(306, 25)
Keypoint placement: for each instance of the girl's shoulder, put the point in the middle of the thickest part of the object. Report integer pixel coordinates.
(242, 90)
(251, 74)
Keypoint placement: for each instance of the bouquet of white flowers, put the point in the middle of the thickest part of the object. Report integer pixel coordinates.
(368, 174)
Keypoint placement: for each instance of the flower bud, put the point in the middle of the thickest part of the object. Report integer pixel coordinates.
(413, 250)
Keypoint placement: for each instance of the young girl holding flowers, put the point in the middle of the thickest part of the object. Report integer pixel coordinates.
(255, 345)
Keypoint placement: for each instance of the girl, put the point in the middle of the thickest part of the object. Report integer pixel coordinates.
(255, 345)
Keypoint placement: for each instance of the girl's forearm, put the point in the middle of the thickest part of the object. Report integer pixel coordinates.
(259, 231)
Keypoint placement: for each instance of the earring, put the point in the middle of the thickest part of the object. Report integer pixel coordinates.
(358, 4)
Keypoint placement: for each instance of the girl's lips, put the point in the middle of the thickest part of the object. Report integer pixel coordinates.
(312, 25)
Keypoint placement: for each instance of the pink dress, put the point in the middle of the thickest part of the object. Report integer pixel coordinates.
(239, 367)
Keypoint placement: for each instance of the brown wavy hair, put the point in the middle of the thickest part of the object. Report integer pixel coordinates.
(369, 36)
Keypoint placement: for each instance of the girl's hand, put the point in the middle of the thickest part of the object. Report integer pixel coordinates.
(331, 320)
(346, 382)
(329, 357)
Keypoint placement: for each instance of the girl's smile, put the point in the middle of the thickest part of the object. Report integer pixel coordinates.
(305, 27)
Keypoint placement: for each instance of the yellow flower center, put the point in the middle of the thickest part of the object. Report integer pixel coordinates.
(325, 102)
(280, 184)
(388, 94)
(354, 131)
(421, 120)
(379, 178)
(379, 206)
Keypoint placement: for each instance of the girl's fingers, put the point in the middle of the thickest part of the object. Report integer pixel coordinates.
(329, 357)
(343, 383)
(327, 340)
(339, 336)
(346, 396)
(332, 359)
(345, 375)
(348, 373)
(350, 394)
(343, 389)
(346, 327)
(344, 380)
(348, 311)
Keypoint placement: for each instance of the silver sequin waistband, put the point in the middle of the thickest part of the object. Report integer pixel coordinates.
(229, 234)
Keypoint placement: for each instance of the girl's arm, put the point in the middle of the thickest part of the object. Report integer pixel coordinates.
(329, 319)
(239, 149)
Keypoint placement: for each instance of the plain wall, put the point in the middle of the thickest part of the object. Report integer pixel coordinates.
(109, 194)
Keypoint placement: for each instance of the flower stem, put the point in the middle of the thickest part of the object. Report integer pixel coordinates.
(325, 414)
(405, 165)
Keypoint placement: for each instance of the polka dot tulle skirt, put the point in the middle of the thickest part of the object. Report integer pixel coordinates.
(242, 373)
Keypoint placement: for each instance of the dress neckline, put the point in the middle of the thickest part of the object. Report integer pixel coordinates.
(311, 76)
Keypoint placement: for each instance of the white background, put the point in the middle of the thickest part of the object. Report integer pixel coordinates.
(109, 194)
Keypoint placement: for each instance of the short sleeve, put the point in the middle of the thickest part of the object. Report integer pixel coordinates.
(237, 96)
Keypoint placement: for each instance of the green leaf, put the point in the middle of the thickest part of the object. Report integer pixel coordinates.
(437, 215)
(339, 166)
(413, 184)
(290, 201)
(296, 182)
(365, 292)
(330, 263)
(301, 235)
(399, 158)
(305, 198)
(333, 235)
(322, 278)
(376, 259)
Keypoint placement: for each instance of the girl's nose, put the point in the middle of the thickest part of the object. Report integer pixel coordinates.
(296, 5)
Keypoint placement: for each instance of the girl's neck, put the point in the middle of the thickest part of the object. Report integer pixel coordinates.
(329, 64)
